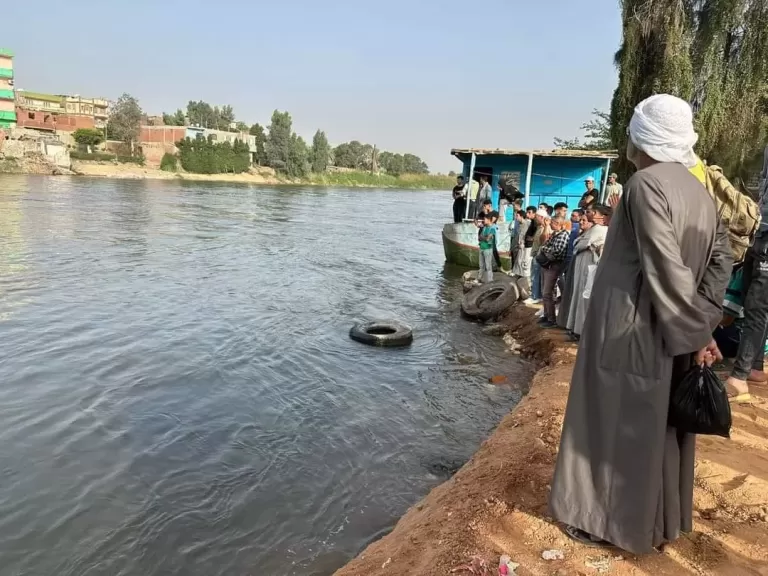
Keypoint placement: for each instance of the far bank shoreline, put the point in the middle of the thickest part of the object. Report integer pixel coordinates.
(261, 177)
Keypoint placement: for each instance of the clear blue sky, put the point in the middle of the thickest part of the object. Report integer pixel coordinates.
(418, 76)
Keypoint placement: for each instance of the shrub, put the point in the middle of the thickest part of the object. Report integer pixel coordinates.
(132, 160)
(98, 156)
(169, 163)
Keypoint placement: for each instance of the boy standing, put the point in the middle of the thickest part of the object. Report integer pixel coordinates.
(487, 242)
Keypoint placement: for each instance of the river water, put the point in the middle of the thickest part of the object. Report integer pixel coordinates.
(179, 393)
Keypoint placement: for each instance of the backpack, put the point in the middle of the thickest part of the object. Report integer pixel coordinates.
(737, 211)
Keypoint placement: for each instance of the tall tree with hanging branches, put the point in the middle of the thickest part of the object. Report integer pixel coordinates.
(712, 53)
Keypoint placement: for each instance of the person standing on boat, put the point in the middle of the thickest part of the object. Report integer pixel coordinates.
(623, 476)
(590, 196)
(485, 192)
(459, 200)
(474, 207)
(613, 190)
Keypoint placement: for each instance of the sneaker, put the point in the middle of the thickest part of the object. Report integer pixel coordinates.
(540, 313)
(547, 324)
(529, 301)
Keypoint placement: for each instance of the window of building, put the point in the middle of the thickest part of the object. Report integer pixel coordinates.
(31, 115)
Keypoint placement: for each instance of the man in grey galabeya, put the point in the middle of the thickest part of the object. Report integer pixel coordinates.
(623, 476)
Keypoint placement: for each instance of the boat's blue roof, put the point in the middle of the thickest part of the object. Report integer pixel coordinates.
(557, 153)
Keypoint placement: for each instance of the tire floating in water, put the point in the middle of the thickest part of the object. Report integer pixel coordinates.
(489, 301)
(382, 334)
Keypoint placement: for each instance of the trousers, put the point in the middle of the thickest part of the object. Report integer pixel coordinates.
(486, 266)
(751, 352)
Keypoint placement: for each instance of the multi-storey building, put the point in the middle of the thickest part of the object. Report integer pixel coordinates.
(7, 99)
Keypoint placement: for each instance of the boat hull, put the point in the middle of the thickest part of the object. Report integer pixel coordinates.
(461, 246)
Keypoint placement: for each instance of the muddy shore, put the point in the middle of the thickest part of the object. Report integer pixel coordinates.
(497, 503)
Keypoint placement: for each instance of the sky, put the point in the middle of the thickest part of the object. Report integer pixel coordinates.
(419, 76)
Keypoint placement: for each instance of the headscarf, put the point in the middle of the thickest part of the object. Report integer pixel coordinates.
(662, 127)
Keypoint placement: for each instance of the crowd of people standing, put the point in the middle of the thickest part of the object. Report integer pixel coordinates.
(644, 317)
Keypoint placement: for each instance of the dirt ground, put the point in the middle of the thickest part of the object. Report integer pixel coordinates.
(496, 504)
(133, 171)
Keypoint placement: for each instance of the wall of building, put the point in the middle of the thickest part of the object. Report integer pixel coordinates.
(7, 106)
(48, 120)
(6, 62)
(162, 134)
(54, 152)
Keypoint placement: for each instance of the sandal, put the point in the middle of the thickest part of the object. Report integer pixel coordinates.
(585, 538)
(736, 397)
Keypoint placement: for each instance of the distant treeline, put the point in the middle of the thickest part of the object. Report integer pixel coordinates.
(279, 147)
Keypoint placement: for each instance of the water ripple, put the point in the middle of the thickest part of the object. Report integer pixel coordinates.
(180, 395)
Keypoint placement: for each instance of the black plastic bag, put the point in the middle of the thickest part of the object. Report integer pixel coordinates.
(699, 404)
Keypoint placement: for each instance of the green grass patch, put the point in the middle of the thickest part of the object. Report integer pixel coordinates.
(96, 156)
(368, 180)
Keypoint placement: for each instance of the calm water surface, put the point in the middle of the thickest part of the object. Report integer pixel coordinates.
(178, 393)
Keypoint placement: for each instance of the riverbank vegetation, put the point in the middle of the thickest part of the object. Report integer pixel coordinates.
(279, 147)
(711, 53)
(204, 156)
(360, 179)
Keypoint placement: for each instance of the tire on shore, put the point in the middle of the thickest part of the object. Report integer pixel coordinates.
(388, 333)
(489, 301)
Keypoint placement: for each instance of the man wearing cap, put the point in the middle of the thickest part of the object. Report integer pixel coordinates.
(613, 191)
(590, 196)
(624, 476)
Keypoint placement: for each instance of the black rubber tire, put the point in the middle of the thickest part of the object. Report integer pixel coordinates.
(489, 301)
(382, 334)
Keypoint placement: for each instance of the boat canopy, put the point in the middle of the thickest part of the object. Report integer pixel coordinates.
(463, 154)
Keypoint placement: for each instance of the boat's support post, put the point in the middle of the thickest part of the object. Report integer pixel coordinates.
(469, 184)
(605, 180)
(528, 176)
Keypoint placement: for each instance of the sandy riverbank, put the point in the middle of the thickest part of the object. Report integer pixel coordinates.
(136, 172)
(496, 504)
(267, 176)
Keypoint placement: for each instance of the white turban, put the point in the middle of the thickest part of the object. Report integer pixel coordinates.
(543, 213)
(662, 127)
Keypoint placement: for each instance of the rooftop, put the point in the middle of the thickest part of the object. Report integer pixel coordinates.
(39, 96)
(5, 52)
(559, 153)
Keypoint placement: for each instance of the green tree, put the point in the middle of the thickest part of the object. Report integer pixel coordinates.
(204, 156)
(199, 113)
(342, 156)
(242, 127)
(297, 165)
(124, 122)
(412, 164)
(597, 133)
(88, 137)
(278, 147)
(321, 152)
(711, 53)
(175, 119)
(225, 117)
(257, 130)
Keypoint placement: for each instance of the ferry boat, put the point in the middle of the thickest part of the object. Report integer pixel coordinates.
(549, 176)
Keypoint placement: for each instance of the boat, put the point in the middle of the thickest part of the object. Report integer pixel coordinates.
(549, 176)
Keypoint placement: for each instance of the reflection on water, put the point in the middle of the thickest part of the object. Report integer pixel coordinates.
(180, 395)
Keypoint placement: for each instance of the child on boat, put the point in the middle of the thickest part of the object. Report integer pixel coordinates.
(487, 242)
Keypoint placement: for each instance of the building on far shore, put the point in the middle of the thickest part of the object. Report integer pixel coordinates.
(54, 112)
(7, 98)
